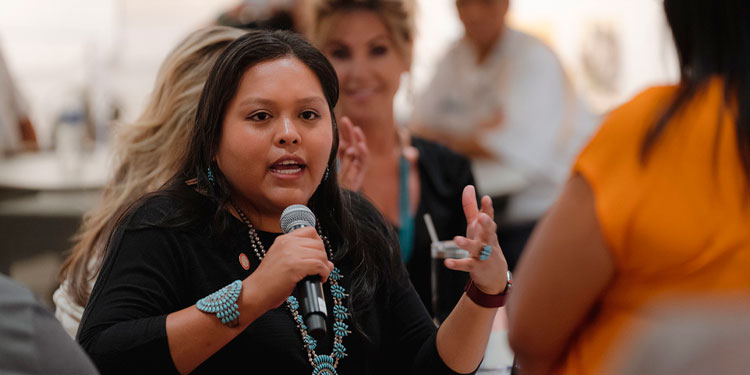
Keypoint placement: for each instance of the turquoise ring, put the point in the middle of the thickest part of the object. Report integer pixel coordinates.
(485, 253)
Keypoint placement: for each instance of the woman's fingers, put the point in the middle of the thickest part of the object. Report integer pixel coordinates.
(353, 155)
(481, 242)
(307, 267)
(309, 249)
(345, 166)
(483, 228)
(476, 247)
(486, 262)
(361, 150)
(487, 225)
(471, 245)
(346, 138)
(487, 207)
(300, 243)
(465, 265)
(360, 141)
(304, 253)
(350, 171)
(469, 203)
(304, 232)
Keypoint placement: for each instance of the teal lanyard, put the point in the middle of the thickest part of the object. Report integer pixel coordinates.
(405, 219)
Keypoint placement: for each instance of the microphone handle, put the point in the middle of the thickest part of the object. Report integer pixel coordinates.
(313, 303)
(313, 306)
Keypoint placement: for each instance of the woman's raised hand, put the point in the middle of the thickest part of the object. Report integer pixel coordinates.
(489, 274)
(353, 155)
(291, 258)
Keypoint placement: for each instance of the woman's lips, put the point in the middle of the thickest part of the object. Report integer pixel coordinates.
(288, 167)
(361, 94)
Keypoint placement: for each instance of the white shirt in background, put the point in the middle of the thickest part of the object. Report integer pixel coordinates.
(544, 123)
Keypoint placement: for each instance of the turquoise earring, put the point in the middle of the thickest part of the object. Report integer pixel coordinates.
(210, 175)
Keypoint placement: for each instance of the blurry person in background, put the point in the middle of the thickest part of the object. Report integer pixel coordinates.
(33, 342)
(147, 153)
(369, 43)
(703, 337)
(657, 207)
(501, 98)
(267, 15)
(16, 131)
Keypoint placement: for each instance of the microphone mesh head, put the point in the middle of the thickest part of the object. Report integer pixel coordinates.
(295, 216)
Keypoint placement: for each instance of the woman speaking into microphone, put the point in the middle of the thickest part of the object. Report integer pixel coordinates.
(199, 278)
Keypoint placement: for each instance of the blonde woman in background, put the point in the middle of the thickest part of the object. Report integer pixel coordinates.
(147, 153)
(369, 43)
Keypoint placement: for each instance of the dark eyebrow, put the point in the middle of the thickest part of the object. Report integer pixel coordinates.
(268, 102)
(313, 100)
(255, 100)
(335, 43)
(378, 39)
(339, 43)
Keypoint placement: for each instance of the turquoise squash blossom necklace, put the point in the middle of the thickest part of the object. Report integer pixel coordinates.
(322, 364)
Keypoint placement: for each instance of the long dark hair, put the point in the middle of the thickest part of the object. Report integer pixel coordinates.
(366, 242)
(712, 39)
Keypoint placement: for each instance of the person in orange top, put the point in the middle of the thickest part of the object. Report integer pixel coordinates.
(657, 207)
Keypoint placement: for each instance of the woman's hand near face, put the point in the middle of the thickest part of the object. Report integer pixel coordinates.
(353, 155)
(489, 275)
(291, 258)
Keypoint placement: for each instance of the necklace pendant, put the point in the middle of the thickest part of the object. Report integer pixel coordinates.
(324, 366)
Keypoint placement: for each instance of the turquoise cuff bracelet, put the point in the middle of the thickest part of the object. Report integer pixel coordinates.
(223, 303)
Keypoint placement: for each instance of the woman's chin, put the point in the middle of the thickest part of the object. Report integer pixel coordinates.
(283, 198)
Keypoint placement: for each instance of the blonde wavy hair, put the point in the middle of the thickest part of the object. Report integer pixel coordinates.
(397, 15)
(148, 151)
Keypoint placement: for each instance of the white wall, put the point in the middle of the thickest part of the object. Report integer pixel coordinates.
(645, 51)
(114, 47)
(56, 48)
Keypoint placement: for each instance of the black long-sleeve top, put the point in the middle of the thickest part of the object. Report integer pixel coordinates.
(150, 272)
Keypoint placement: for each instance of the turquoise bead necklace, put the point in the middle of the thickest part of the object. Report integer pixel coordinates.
(322, 364)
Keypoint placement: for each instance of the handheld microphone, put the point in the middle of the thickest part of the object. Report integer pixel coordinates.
(312, 300)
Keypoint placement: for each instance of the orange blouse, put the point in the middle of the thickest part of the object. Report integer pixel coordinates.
(678, 225)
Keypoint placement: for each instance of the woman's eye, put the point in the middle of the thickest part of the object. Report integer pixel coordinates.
(309, 115)
(340, 53)
(379, 50)
(259, 116)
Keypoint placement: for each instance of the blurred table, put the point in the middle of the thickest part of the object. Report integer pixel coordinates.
(496, 179)
(42, 201)
(50, 171)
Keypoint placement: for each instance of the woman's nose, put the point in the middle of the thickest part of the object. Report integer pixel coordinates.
(359, 68)
(288, 133)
